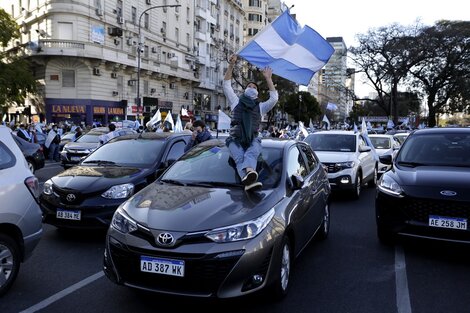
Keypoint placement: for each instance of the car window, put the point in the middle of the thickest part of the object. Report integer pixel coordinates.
(311, 160)
(295, 163)
(128, 152)
(362, 142)
(214, 164)
(7, 159)
(176, 150)
(436, 149)
(381, 142)
(332, 142)
(90, 138)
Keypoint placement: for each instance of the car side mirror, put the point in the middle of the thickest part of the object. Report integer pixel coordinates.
(364, 149)
(297, 181)
(386, 159)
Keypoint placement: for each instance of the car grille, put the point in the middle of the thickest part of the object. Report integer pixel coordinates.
(332, 168)
(203, 273)
(420, 209)
(63, 194)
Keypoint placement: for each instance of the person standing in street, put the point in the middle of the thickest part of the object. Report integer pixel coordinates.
(23, 133)
(200, 134)
(243, 141)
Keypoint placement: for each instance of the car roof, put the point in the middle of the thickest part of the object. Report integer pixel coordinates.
(335, 132)
(265, 142)
(380, 135)
(440, 130)
(152, 135)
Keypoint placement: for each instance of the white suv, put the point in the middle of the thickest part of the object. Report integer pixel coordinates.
(349, 157)
(20, 215)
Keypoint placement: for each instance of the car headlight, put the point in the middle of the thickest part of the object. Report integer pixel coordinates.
(344, 165)
(242, 231)
(123, 223)
(47, 188)
(119, 191)
(389, 186)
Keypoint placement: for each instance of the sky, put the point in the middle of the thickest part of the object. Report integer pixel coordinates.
(346, 18)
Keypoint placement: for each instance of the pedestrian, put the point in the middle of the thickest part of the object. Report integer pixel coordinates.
(23, 134)
(110, 135)
(54, 141)
(200, 134)
(243, 141)
(78, 133)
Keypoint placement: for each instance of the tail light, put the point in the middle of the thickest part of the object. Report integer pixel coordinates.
(33, 186)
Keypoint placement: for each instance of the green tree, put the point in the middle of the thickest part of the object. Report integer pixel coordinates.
(302, 106)
(16, 78)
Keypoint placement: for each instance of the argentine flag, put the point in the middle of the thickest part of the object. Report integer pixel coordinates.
(292, 51)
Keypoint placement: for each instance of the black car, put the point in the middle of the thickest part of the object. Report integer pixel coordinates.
(427, 192)
(33, 153)
(87, 195)
(196, 231)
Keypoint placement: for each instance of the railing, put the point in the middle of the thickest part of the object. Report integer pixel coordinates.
(67, 44)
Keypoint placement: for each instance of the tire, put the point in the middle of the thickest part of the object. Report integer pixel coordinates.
(280, 286)
(31, 166)
(373, 182)
(9, 262)
(325, 225)
(356, 192)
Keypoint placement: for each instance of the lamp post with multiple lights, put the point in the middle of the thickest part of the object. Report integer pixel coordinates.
(139, 52)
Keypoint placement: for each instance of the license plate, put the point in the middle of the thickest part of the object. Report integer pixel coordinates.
(448, 222)
(162, 266)
(75, 159)
(69, 215)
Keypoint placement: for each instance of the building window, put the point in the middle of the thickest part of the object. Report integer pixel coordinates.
(255, 17)
(177, 35)
(254, 3)
(134, 15)
(119, 8)
(146, 21)
(68, 78)
(146, 87)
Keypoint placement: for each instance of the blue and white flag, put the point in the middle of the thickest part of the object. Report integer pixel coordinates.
(178, 125)
(331, 106)
(292, 51)
(390, 124)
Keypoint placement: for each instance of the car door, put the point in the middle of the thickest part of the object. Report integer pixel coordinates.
(302, 215)
(366, 159)
(317, 182)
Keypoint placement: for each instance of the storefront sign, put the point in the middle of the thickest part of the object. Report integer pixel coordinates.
(58, 108)
(115, 111)
(99, 110)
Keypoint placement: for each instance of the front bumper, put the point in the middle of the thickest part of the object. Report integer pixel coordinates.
(409, 217)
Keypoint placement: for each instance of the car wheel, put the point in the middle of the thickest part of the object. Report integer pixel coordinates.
(281, 284)
(356, 193)
(385, 236)
(373, 182)
(325, 225)
(31, 166)
(9, 262)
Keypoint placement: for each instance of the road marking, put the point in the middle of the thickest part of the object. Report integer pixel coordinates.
(401, 282)
(61, 294)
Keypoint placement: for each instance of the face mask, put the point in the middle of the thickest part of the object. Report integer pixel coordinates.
(251, 93)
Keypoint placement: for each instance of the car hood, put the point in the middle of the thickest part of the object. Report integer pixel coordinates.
(189, 209)
(383, 151)
(333, 157)
(430, 181)
(81, 145)
(90, 179)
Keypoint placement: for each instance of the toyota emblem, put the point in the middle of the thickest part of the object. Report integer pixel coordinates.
(448, 193)
(70, 197)
(165, 239)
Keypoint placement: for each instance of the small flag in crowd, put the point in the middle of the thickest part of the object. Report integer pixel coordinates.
(325, 119)
(157, 117)
(224, 121)
(184, 112)
(292, 51)
(169, 120)
(178, 125)
(331, 106)
(390, 124)
(363, 126)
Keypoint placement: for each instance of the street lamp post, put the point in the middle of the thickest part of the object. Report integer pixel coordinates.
(140, 48)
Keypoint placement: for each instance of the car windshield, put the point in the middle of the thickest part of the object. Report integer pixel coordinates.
(446, 149)
(133, 152)
(332, 142)
(210, 165)
(381, 142)
(90, 138)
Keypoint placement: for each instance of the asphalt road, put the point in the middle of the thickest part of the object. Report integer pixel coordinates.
(349, 272)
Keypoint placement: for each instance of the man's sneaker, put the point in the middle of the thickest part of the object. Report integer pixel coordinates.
(256, 186)
(250, 178)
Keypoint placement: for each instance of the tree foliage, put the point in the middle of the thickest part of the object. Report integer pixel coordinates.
(303, 106)
(16, 78)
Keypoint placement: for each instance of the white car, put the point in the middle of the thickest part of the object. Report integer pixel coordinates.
(20, 215)
(384, 144)
(349, 156)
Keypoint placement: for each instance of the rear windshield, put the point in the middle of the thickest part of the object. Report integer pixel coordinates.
(332, 142)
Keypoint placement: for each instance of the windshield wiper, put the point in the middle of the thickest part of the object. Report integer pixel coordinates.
(173, 181)
(100, 162)
(410, 164)
(214, 184)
